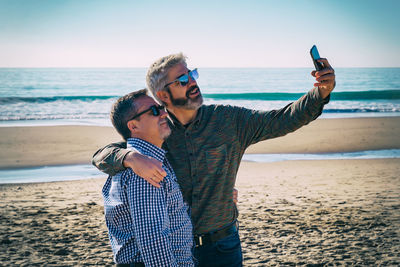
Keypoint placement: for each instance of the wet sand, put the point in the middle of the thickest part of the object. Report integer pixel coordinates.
(56, 145)
(321, 213)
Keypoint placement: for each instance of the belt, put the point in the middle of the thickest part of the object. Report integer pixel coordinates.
(133, 264)
(212, 237)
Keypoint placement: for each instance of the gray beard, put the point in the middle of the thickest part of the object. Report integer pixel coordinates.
(187, 102)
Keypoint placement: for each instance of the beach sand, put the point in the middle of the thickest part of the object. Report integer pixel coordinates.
(315, 213)
(57, 145)
(343, 212)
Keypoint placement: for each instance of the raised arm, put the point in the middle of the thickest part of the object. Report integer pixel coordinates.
(255, 125)
(114, 158)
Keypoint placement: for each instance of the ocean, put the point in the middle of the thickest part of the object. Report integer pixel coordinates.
(72, 96)
(65, 96)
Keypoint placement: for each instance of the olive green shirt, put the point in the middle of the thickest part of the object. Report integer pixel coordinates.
(206, 153)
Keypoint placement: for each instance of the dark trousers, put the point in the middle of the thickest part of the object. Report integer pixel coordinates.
(225, 252)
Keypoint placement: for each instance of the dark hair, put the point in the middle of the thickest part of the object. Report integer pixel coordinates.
(124, 109)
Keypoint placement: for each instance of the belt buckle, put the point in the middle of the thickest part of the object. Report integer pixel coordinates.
(200, 241)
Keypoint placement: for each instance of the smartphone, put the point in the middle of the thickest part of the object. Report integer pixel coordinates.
(315, 55)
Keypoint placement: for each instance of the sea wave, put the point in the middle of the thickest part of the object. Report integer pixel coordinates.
(88, 98)
(343, 96)
(346, 96)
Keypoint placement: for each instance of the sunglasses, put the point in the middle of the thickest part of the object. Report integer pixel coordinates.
(155, 111)
(184, 79)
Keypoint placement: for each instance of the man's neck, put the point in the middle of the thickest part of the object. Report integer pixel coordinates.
(184, 116)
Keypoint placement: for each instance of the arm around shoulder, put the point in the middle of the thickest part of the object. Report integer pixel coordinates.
(114, 158)
(110, 158)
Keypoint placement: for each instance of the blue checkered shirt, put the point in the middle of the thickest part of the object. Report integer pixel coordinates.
(145, 223)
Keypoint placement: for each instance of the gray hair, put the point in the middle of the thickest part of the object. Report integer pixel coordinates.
(123, 110)
(158, 72)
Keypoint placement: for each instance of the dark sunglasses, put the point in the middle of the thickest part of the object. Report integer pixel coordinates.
(155, 111)
(184, 79)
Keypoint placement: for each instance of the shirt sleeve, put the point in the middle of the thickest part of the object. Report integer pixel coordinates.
(110, 158)
(262, 125)
(150, 222)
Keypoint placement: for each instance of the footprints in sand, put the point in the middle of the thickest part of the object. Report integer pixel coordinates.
(329, 219)
(292, 227)
(63, 227)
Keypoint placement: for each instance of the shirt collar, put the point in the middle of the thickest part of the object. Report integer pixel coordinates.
(146, 148)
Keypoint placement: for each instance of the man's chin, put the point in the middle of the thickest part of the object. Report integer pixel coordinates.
(195, 103)
(165, 134)
(188, 102)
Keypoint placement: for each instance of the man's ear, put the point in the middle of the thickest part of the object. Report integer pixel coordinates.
(163, 96)
(132, 125)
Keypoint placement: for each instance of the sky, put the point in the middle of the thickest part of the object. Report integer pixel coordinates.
(251, 33)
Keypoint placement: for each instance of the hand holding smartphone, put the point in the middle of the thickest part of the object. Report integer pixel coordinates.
(315, 56)
(326, 79)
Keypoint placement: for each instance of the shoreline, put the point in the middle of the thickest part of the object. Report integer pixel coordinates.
(57, 173)
(27, 147)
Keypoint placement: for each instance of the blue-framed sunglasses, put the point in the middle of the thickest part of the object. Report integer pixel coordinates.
(155, 109)
(184, 79)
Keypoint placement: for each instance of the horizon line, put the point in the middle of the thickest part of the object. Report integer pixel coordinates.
(219, 67)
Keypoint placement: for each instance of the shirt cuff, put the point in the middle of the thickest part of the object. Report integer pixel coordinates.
(318, 96)
(120, 157)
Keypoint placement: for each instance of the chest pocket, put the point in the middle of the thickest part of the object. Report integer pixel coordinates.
(217, 159)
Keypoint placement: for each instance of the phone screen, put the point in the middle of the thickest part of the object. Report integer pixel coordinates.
(314, 52)
(315, 56)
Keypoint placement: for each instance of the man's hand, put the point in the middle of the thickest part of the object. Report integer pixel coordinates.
(235, 194)
(325, 78)
(148, 168)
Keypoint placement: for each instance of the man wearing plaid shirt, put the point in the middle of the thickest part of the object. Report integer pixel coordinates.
(147, 226)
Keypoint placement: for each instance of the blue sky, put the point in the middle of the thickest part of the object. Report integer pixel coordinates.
(57, 33)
